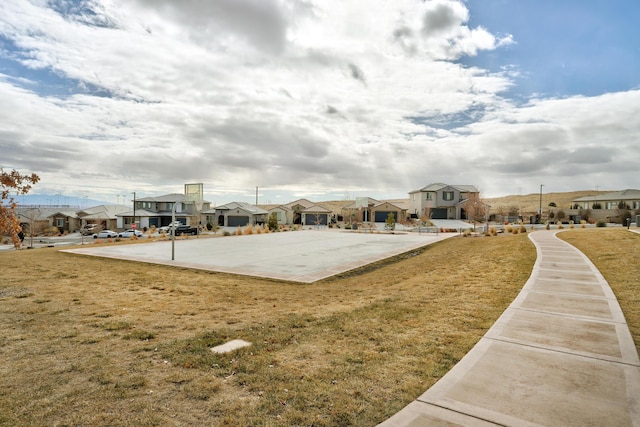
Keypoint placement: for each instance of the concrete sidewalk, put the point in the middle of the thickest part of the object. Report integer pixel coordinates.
(560, 355)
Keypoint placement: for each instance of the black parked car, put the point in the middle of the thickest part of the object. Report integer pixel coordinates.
(185, 229)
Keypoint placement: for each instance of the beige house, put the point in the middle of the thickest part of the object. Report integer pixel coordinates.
(441, 201)
(236, 214)
(372, 210)
(105, 216)
(303, 212)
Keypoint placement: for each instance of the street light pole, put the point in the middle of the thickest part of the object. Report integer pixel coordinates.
(134, 209)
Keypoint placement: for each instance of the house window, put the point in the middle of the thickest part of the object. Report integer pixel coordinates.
(59, 222)
(447, 195)
(429, 196)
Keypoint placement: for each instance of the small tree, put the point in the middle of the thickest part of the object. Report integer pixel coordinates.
(560, 216)
(21, 184)
(272, 221)
(390, 222)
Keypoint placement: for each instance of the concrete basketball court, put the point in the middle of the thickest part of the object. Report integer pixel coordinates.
(300, 256)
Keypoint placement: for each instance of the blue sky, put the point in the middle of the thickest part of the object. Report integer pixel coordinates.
(319, 99)
(563, 48)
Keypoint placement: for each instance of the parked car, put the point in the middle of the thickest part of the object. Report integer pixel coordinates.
(129, 233)
(186, 229)
(89, 229)
(167, 228)
(105, 234)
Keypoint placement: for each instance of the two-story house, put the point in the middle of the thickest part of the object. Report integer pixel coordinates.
(441, 201)
(157, 211)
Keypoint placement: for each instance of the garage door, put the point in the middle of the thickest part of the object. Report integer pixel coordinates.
(382, 216)
(320, 219)
(235, 221)
(438, 213)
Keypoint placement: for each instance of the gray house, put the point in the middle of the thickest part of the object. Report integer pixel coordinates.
(157, 211)
(441, 201)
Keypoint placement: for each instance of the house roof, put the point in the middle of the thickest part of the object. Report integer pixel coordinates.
(71, 213)
(102, 212)
(628, 194)
(35, 214)
(370, 202)
(302, 202)
(255, 210)
(439, 186)
(386, 205)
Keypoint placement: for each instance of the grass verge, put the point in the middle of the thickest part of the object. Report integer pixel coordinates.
(90, 341)
(614, 251)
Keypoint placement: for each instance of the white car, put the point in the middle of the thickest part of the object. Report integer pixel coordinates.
(129, 233)
(105, 234)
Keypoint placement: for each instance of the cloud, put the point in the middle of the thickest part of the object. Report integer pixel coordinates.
(261, 23)
(314, 96)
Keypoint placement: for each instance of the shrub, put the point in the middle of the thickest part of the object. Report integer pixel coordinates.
(272, 221)
(601, 224)
(560, 226)
(239, 231)
(258, 230)
(583, 224)
(508, 229)
(248, 230)
(226, 233)
(523, 229)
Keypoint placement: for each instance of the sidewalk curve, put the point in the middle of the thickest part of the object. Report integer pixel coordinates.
(560, 355)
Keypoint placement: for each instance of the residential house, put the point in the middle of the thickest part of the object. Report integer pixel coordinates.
(441, 201)
(236, 214)
(105, 216)
(608, 207)
(35, 218)
(366, 209)
(157, 211)
(65, 220)
(302, 211)
(626, 199)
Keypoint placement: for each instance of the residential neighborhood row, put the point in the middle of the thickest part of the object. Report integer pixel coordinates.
(433, 202)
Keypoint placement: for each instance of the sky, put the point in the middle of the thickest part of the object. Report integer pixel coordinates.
(321, 99)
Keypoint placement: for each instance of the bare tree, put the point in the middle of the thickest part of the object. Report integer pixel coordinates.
(21, 184)
(476, 209)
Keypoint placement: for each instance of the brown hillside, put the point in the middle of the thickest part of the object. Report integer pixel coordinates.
(530, 203)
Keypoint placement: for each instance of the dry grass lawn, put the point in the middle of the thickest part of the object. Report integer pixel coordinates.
(615, 252)
(90, 341)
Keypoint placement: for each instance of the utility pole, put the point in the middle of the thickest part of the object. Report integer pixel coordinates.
(256, 195)
(134, 210)
(540, 209)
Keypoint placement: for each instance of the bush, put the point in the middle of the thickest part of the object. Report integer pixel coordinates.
(601, 224)
(226, 233)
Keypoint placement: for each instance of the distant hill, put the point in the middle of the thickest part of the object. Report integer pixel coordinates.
(57, 200)
(529, 204)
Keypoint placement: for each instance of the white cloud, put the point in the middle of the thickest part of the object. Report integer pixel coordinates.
(309, 97)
